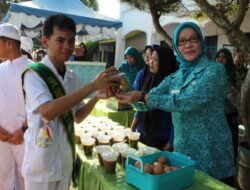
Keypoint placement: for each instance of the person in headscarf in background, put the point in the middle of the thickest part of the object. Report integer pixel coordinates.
(144, 72)
(132, 64)
(156, 125)
(232, 100)
(196, 103)
(139, 80)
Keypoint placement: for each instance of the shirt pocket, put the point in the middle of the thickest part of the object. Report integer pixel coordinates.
(40, 160)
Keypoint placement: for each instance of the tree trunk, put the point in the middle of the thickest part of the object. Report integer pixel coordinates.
(245, 104)
(156, 20)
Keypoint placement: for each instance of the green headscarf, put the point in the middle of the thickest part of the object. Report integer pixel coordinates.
(131, 70)
(187, 66)
(179, 28)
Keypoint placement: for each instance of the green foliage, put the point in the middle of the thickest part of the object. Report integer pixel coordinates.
(4, 6)
(92, 4)
(162, 6)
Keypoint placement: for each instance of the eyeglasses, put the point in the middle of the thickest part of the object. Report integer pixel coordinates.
(192, 40)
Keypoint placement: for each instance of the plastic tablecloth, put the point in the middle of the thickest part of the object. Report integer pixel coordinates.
(92, 176)
(123, 117)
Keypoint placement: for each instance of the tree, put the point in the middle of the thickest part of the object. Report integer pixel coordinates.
(228, 15)
(157, 8)
(4, 6)
(92, 4)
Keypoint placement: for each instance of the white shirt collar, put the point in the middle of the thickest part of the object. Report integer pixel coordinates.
(19, 60)
(48, 63)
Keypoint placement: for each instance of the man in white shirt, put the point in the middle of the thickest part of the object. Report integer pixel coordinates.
(48, 160)
(12, 109)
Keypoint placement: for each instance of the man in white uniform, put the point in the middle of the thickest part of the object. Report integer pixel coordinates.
(12, 109)
(48, 160)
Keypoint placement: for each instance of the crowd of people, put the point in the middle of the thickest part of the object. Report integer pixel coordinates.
(183, 101)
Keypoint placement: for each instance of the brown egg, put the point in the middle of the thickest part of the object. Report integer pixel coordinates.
(167, 169)
(137, 164)
(158, 170)
(148, 168)
(157, 164)
(162, 160)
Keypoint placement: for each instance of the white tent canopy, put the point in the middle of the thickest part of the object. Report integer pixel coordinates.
(29, 17)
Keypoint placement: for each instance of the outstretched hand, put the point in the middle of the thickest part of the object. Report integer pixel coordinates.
(105, 93)
(128, 97)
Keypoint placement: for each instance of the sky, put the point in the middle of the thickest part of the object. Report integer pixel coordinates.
(109, 8)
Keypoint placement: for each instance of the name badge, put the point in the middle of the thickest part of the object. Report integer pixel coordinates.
(175, 91)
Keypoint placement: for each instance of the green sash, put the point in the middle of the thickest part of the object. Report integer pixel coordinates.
(66, 118)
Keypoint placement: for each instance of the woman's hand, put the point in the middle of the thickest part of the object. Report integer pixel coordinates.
(124, 85)
(106, 93)
(128, 97)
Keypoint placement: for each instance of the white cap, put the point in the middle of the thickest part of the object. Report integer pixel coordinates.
(26, 44)
(9, 31)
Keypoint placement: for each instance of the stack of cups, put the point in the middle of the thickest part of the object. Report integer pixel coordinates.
(133, 138)
(88, 144)
(109, 161)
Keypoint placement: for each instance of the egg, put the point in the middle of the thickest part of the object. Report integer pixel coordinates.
(157, 170)
(167, 169)
(157, 164)
(162, 160)
(137, 164)
(148, 168)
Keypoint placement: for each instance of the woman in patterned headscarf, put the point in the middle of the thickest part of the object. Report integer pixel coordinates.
(131, 65)
(196, 103)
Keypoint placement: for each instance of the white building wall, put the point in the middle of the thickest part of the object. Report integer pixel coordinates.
(135, 20)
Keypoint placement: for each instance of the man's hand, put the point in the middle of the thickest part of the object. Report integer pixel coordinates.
(104, 79)
(17, 137)
(4, 135)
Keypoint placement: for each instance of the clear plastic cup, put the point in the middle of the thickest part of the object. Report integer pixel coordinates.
(133, 138)
(118, 137)
(125, 152)
(109, 161)
(88, 144)
(103, 139)
(99, 150)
